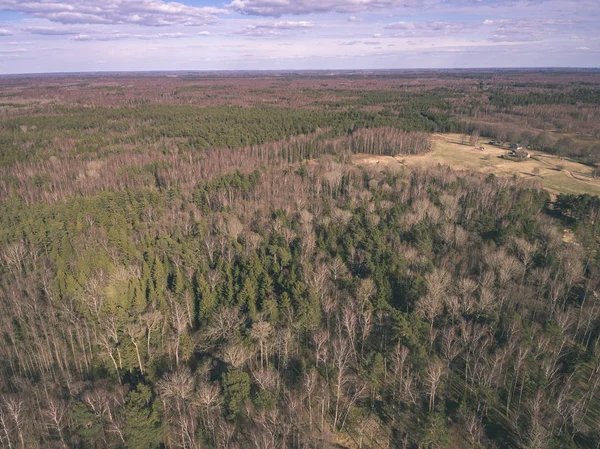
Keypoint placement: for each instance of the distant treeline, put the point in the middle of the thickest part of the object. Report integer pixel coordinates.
(579, 95)
(389, 142)
(374, 141)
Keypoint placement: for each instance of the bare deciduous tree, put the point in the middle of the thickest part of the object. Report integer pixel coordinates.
(432, 380)
(261, 331)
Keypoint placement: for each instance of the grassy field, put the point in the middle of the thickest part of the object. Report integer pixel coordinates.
(571, 177)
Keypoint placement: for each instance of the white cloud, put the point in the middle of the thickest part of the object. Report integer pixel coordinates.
(168, 36)
(582, 48)
(400, 26)
(51, 31)
(86, 37)
(122, 36)
(528, 30)
(115, 12)
(268, 29)
(278, 8)
(428, 28)
(285, 25)
(17, 53)
(5, 32)
(351, 43)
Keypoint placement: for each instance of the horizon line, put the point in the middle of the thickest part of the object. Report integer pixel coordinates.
(301, 71)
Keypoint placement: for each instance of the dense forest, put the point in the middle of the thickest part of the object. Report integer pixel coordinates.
(224, 275)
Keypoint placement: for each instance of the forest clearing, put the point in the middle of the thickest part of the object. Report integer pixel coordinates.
(558, 175)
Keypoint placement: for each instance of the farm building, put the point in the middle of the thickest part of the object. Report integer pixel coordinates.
(519, 153)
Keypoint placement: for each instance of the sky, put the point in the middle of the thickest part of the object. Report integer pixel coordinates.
(40, 36)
